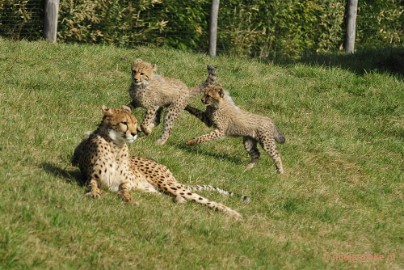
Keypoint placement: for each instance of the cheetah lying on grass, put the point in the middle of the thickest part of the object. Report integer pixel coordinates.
(230, 120)
(103, 159)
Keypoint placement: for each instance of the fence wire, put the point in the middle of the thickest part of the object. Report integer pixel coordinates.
(21, 19)
(265, 30)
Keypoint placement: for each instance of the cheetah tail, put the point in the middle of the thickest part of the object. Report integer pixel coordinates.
(243, 198)
(278, 136)
(185, 194)
(212, 204)
(209, 81)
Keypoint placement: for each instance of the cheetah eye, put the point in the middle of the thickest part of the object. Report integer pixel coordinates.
(125, 123)
(141, 73)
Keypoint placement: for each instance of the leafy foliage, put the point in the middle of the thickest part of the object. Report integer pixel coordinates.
(21, 19)
(256, 28)
(128, 23)
(381, 23)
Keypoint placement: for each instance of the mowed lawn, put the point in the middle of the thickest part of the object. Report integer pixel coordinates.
(338, 205)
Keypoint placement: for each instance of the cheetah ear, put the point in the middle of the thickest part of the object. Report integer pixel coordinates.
(154, 67)
(220, 91)
(106, 111)
(126, 108)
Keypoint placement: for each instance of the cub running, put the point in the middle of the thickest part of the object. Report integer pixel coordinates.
(230, 120)
(154, 92)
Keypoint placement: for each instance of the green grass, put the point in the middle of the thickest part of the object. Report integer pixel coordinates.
(341, 194)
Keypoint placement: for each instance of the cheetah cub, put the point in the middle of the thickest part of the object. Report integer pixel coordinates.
(104, 161)
(154, 92)
(230, 120)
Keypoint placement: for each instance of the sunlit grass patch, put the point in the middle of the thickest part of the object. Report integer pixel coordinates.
(341, 193)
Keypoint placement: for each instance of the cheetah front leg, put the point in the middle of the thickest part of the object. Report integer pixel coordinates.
(173, 111)
(94, 191)
(201, 115)
(149, 120)
(157, 119)
(124, 192)
(216, 134)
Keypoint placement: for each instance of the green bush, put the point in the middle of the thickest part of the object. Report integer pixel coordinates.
(127, 23)
(21, 19)
(380, 23)
(281, 28)
(256, 28)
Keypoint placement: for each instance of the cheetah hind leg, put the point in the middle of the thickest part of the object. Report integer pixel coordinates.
(250, 146)
(179, 199)
(270, 147)
(146, 187)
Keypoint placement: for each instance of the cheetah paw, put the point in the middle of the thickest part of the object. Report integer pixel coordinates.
(161, 141)
(134, 203)
(250, 166)
(191, 142)
(146, 130)
(180, 199)
(94, 194)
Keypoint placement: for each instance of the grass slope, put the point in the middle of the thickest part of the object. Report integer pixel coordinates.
(339, 205)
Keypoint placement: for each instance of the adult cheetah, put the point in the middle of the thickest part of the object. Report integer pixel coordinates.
(104, 161)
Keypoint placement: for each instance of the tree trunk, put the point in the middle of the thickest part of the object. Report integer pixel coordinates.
(51, 19)
(214, 12)
(351, 11)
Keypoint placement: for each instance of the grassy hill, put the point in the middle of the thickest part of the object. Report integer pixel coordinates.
(339, 204)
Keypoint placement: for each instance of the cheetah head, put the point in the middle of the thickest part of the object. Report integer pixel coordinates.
(213, 94)
(121, 125)
(142, 72)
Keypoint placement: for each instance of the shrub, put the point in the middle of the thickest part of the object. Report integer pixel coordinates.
(256, 28)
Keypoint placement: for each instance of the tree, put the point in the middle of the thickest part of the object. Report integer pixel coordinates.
(351, 11)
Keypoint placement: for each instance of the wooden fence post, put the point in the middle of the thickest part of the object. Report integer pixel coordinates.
(51, 19)
(214, 12)
(352, 10)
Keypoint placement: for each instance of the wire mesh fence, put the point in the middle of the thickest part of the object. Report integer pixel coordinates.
(109, 23)
(21, 19)
(256, 28)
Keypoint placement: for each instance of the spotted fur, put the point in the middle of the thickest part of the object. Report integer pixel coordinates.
(104, 161)
(230, 120)
(154, 92)
(161, 178)
(103, 158)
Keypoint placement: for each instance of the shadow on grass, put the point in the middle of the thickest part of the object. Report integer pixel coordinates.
(71, 176)
(221, 156)
(381, 60)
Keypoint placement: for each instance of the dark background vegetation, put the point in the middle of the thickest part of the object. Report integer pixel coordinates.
(275, 29)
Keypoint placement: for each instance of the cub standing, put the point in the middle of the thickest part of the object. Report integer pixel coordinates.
(230, 120)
